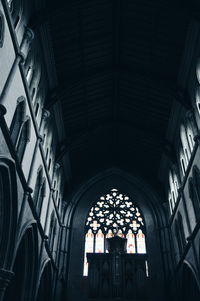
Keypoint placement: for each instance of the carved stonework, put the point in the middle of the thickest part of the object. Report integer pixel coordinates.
(115, 275)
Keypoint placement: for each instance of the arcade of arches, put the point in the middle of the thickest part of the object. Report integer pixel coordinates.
(99, 144)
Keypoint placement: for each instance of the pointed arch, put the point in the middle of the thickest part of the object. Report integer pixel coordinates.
(113, 212)
(77, 211)
(24, 138)
(194, 198)
(16, 9)
(18, 119)
(52, 230)
(25, 265)
(189, 286)
(8, 210)
(38, 185)
(184, 142)
(44, 290)
(28, 66)
(41, 196)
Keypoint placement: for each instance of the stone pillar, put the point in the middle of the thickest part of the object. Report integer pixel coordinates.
(5, 278)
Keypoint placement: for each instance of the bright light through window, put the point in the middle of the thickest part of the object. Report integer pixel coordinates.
(114, 214)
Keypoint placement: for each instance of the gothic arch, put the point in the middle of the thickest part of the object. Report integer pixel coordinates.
(38, 184)
(44, 290)
(18, 119)
(8, 210)
(83, 200)
(41, 196)
(194, 198)
(189, 287)
(16, 9)
(24, 266)
(24, 138)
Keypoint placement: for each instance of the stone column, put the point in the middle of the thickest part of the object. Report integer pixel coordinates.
(5, 278)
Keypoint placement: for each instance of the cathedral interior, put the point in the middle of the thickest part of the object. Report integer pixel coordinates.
(99, 150)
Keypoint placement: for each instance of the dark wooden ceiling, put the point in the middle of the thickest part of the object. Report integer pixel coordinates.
(117, 64)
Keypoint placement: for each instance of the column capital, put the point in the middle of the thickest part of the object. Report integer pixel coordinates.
(29, 35)
(46, 114)
(57, 165)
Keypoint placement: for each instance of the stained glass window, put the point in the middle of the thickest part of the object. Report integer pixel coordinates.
(114, 214)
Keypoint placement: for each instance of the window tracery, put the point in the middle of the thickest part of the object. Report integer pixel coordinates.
(114, 214)
(173, 190)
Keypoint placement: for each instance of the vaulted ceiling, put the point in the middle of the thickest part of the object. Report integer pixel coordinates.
(117, 63)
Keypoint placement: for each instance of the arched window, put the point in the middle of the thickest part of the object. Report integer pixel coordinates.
(114, 214)
(194, 198)
(41, 197)
(49, 165)
(170, 203)
(51, 230)
(36, 109)
(16, 10)
(173, 190)
(24, 138)
(28, 67)
(33, 93)
(190, 136)
(10, 2)
(198, 99)
(39, 191)
(47, 153)
(18, 120)
(1, 29)
(185, 145)
(29, 73)
(183, 163)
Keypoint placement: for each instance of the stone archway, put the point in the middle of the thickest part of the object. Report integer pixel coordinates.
(189, 287)
(8, 220)
(154, 217)
(22, 286)
(45, 286)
